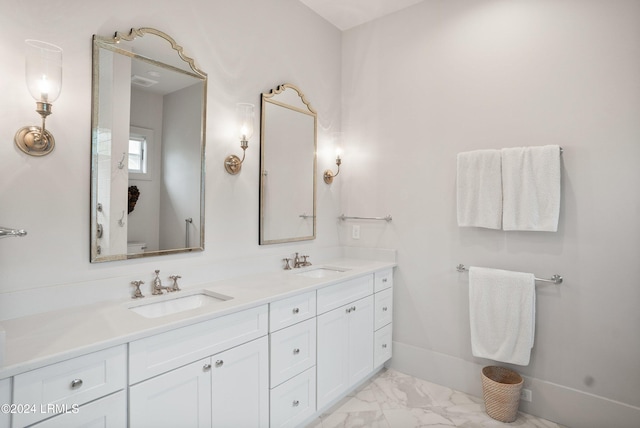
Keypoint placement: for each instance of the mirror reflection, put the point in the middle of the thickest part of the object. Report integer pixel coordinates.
(148, 126)
(287, 167)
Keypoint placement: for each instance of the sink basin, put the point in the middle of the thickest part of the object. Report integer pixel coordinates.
(321, 272)
(177, 302)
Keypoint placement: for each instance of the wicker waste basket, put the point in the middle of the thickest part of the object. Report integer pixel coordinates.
(501, 391)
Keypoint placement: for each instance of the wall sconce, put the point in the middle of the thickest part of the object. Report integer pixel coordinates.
(328, 174)
(245, 118)
(43, 71)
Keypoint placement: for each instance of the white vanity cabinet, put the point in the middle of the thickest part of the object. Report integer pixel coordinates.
(68, 386)
(292, 359)
(383, 318)
(345, 337)
(226, 388)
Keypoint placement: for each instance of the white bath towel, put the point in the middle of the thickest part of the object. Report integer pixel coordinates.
(479, 189)
(502, 314)
(531, 188)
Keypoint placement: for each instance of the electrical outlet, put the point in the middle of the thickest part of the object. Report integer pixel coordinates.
(355, 231)
(526, 395)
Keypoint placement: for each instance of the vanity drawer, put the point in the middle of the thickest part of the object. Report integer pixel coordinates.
(157, 354)
(383, 279)
(383, 308)
(107, 412)
(294, 401)
(286, 312)
(293, 350)
(75, 381)
(343, 293)
(382, 344)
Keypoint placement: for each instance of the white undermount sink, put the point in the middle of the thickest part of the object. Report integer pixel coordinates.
(175, 302)
(321, 272)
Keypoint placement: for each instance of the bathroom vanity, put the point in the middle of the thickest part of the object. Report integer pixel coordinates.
(282, 348)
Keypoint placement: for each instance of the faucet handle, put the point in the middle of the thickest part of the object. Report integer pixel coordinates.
(137, 294)
(286, 261)
(175, 282)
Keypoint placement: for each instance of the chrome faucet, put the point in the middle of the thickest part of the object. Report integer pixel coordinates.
(157, 285)
(300, 261)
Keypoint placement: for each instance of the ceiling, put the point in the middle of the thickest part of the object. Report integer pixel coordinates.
(346, 14)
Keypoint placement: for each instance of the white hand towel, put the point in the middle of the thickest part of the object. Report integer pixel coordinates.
(479, 189)
(531, 188)
(502, 314)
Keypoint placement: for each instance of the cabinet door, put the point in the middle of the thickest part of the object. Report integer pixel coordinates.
(5, 398)
(240, 385)
(360, 339)
(107, 412)
(179, 398)
(333, 355)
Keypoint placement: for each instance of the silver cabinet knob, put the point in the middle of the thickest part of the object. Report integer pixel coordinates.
(206, 367)
(296, 310)
(219, 363)
(348, 310)
(384, 279)
(296, 351)
(353, 308)
(384, 345)
(296, 403)
(76, 383)
(384, 309)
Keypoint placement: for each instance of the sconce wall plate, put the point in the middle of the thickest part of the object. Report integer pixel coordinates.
(30, 140)
(232, 164)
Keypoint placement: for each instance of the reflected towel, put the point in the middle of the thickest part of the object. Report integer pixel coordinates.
(531, 188)
(479, 189)
(502, 314)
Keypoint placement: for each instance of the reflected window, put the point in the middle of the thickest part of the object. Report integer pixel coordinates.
(137, 154)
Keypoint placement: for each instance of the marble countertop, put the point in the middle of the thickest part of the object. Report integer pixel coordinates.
(38, 340)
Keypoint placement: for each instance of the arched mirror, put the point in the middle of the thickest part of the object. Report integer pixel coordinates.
(148, 140)
(287, 167)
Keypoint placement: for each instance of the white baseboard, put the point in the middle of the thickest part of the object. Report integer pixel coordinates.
(557, 403)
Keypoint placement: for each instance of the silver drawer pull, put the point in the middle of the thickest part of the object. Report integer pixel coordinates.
(384, 309)
(76, 383)
(296, 351)
(296, 310)
(206, 367)
(296, 403)
(219, 363)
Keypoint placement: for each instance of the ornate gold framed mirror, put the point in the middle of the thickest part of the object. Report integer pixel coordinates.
(287, 166)
(148, 141)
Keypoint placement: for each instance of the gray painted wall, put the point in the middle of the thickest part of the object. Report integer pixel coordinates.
(444, 77)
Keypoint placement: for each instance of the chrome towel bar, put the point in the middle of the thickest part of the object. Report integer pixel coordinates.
(555, 279)
(386, 218)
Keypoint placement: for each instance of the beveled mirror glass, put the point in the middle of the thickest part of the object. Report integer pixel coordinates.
(287, 166)
(147, 147)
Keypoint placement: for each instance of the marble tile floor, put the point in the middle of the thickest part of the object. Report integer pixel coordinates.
(396, 400)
